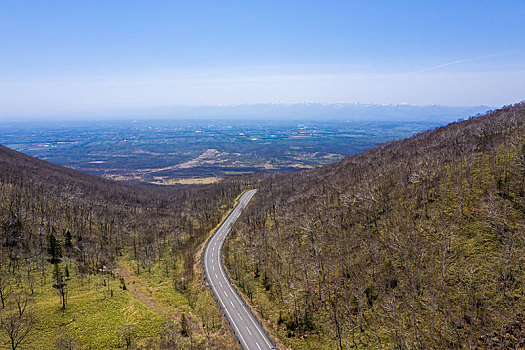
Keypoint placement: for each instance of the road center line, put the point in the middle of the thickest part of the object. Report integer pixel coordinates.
(219, 237)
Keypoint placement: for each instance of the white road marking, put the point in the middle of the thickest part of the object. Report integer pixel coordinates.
(236, 297)
(220, 235)
(238, 331)
(229, 315)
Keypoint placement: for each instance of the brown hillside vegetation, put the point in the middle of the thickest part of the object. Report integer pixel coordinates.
(70, 244)
(415, 244)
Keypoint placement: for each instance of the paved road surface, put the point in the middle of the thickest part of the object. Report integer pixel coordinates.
(243, 322)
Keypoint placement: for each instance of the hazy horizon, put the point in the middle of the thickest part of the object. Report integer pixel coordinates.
(77, 58)
(269, 111)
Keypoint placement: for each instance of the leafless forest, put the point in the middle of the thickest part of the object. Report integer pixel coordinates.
(57, 222)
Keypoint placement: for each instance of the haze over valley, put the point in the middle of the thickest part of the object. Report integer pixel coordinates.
(193, 151)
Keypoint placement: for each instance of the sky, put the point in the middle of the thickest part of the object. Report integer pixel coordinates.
(59, 57)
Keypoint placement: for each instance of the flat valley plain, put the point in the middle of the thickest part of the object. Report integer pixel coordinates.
(169, 152)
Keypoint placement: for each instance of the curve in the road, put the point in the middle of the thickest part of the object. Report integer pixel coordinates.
(244, 324)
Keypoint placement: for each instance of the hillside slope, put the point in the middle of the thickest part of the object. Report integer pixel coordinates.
(91, 263)
(16, 167)
(418, 243)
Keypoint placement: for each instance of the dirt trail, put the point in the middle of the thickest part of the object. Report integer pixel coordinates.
(145, 294)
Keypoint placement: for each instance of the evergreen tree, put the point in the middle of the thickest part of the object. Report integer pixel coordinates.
(54, 249)
(68, 243)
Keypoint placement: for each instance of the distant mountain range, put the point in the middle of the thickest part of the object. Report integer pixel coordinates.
(340, 111)
(295, 111)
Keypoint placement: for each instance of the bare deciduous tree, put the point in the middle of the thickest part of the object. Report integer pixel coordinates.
(16, 327)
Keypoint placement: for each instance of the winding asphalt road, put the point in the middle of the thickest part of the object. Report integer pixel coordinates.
(243, 322)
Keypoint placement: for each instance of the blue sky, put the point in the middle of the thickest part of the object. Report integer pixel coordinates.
(58, 57)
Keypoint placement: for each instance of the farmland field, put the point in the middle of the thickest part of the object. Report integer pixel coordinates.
(167, 152)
